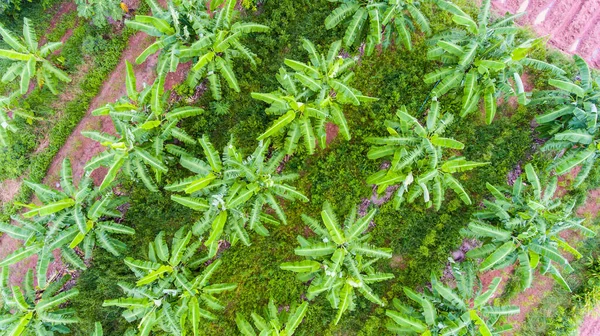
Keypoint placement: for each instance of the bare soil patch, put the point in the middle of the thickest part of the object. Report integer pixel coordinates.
(573, 26)
(80, 149)
(331, 131)
(8, 189)
(528, 300)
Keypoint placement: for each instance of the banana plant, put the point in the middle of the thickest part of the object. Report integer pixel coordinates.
(172, 29)
(202, 31)
(578, 145)
(313, 94)
(8, 113)
(523, 229)
(339, 263)
(35, 310)
(273, 323)
(299, 116)
(573, 122)
(144, 122)
(483, 59)
(41, 236)
(232, 192)
(98, 11)
(216, 49)
(443, 310)
(77, 216)
(171, 294)
(418, 165)
(384, 17)
(30, 60)
(98, 330)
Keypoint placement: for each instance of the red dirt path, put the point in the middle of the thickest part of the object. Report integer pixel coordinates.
(80, 149)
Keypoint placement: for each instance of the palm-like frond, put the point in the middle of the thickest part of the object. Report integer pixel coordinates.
(417, 162)
(35, 310)
(30, 60)
(442, 309)
(484, 59)
(143, 125)
(273, 322)
(170, 287)
(396, 18)
(339, 263)
(310, 97)
(524, 229)
(233, 191)
(65, 220)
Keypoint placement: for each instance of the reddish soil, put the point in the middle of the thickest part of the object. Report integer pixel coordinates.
(177, 77)
(18, 271)
(80, 149)
(8, 189)
(573, 26)
(487, 277)
(331, 131)
(529, 299)
(591, 206)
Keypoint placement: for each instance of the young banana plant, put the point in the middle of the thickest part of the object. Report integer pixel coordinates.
(524, 228)
(340, 262)
(300, 117)
(172, 29)
(41, 236)
(482, 58)
(77, 216)
(216, 49)
(208, 36)
(233, 191)
(8, 122)
(443, 310)
(417, 159)
(573, 123)
(36, 310)
(144, 122)
(30, 60)
(171, 294)
(273, 323)
(314, 91)
(384, 17)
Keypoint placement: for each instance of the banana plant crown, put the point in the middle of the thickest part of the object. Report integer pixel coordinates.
(300, 116)
(340, 262)
(311, 96)
(579, 145)
(273, 322)
(35, 310)
(30, 60)
(8, 121)
(482, 58)
(204, 31)
(524, 227)
(232, 191)
(384, 18)
(216, 48)
(171, 295)
(144, 122)
(573, 123)
(443, 310)
(79, 216)
(417, 159)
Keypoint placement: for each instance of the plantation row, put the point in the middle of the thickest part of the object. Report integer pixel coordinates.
(239, 195)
